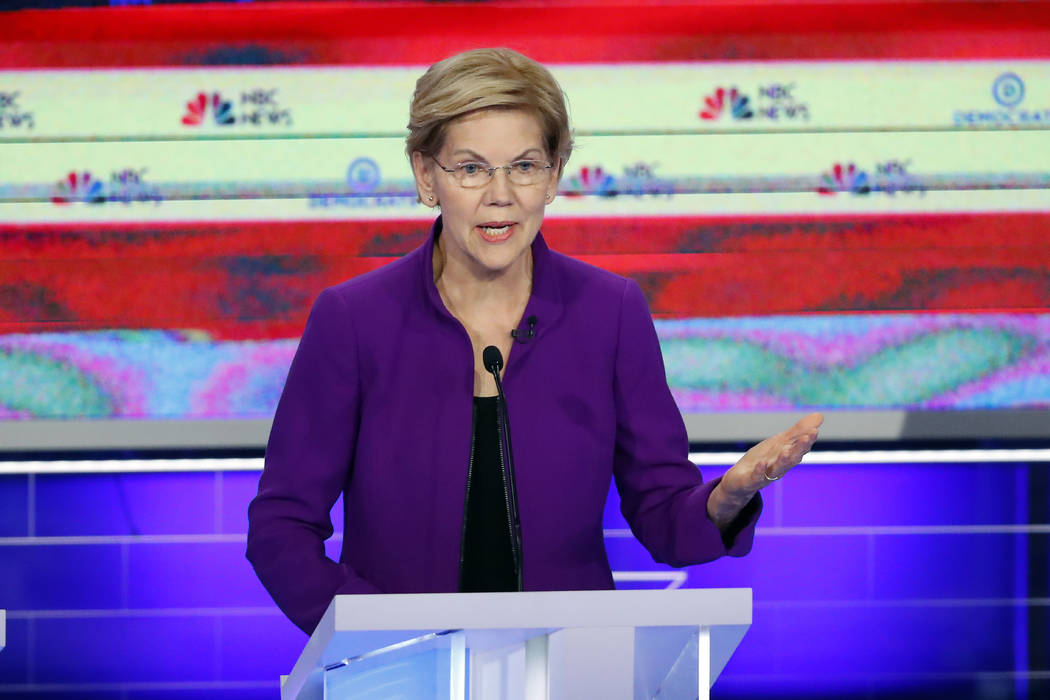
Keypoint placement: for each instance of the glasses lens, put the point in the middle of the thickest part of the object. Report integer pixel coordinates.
(472, 174)
(522, 172)
(527, 172)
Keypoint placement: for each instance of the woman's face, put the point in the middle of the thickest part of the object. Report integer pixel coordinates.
(489, 229)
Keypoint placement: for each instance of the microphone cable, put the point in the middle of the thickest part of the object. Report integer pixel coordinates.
(493, 360)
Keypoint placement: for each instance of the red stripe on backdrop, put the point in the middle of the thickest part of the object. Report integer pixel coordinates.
(573, 236)
(843, 281)
(397, 33)
(258, 279)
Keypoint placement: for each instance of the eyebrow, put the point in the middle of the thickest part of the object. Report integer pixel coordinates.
(482, 159)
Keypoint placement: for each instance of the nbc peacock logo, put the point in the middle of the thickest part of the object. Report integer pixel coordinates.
(844, 177)
(198, 109)
(79, 187)
(715, 104)
(591, 180)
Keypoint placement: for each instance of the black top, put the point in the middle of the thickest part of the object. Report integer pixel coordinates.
(488, 561)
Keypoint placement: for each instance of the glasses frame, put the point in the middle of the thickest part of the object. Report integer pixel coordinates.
(492, 172)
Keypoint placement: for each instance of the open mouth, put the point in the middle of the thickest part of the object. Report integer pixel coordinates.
(496, 231)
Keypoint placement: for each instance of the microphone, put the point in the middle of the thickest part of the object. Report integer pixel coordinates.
(493, 361)
(523, 336)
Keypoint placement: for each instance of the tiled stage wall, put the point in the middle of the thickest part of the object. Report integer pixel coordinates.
(870, 581)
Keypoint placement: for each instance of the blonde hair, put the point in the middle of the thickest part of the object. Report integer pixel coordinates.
(487, 79)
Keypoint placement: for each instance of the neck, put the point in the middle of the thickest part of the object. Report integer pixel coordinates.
(464, 287)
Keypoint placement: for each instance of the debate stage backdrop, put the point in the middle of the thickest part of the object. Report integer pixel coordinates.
(835, 206)
(816, 224)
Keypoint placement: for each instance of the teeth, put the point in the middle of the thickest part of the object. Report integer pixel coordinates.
(490, 231)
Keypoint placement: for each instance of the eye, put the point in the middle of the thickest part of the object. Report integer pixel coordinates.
(470, 168)
(525, 166)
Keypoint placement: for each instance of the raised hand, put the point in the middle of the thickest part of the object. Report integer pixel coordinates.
(760, 466)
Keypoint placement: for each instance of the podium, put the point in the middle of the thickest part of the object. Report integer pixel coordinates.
(556, 645)
(3, 629)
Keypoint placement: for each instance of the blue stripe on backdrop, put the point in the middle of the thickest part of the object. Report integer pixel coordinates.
(123, 504)
(128, 649)
(14, 497)
(869, 580)
(192, 575)
(14, 659)
(1021, 584)
(238, 489)
(49, 576)
(902, 494)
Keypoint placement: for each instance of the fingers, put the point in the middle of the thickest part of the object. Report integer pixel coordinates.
(803, 434)
(789, 450)
(778, 463)
(773, 457)
(809, 424)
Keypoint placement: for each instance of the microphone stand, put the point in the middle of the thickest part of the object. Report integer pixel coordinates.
(493, 360)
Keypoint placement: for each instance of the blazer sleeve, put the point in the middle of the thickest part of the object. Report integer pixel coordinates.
(662, 494)
(308, 462)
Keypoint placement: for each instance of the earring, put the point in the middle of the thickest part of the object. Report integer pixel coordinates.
(431, 198)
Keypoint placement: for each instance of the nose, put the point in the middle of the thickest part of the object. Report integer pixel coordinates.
(499, 191)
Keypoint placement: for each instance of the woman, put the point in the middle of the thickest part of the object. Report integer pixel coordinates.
(388, 400)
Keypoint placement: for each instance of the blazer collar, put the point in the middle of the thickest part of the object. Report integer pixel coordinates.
(545, 300)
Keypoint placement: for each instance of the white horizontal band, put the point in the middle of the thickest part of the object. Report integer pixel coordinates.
(890, 456)
(702, 459)
(284, 100)
(112, 466)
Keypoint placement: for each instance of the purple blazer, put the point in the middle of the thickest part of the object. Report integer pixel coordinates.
(378, 406)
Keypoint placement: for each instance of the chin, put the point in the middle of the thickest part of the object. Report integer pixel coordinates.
(498, 263)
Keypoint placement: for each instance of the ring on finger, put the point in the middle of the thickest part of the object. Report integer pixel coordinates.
(770, 478)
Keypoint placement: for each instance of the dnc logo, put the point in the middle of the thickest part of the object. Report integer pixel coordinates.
(1008, 92)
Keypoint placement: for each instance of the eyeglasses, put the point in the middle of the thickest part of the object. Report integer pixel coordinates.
(521, 172)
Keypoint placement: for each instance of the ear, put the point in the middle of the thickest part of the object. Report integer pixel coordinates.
(555, 180)
(424, 180)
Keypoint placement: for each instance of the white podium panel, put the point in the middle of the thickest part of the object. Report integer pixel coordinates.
(3, 629)
(558, 645)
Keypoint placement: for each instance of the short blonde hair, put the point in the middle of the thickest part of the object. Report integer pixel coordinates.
(487, 79)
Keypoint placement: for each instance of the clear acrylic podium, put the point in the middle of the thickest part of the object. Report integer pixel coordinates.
(561, 645)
